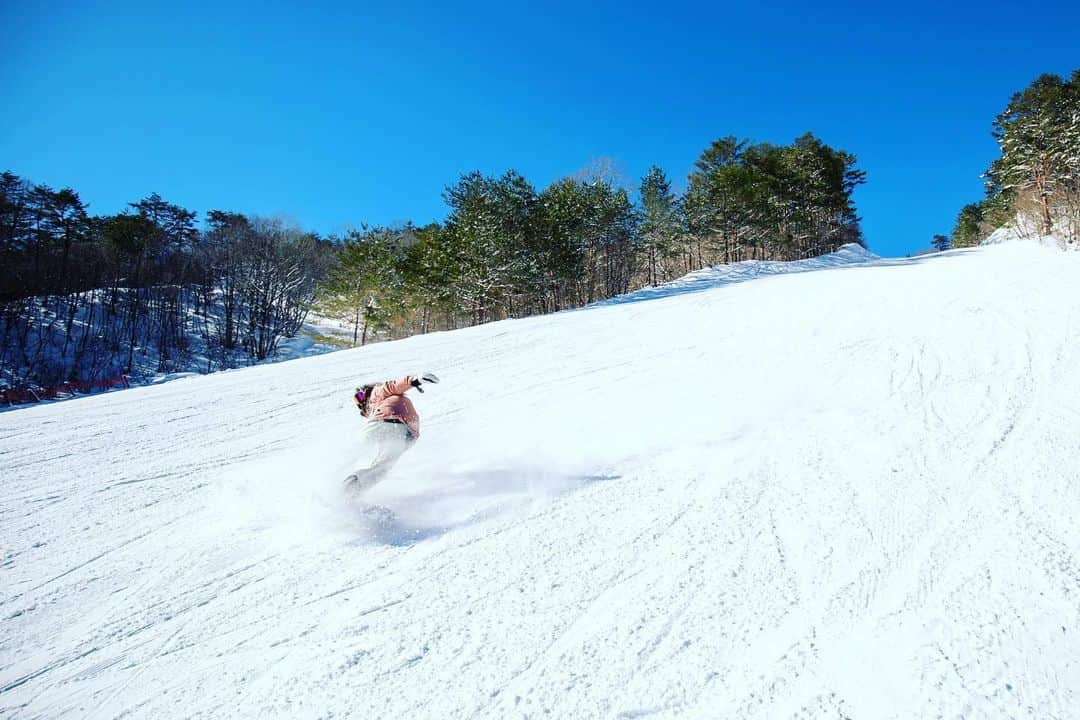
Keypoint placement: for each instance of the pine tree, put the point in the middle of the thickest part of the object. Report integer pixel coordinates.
(966, 233)
(1039, 136)
(492, 224)
(359, 288)
(785, 202)
(660, 224)
(560, 246)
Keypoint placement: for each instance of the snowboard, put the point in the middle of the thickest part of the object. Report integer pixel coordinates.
(355, 486)
(359, 482)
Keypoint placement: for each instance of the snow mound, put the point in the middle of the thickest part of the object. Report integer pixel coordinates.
(1026, 229)
(721, 275)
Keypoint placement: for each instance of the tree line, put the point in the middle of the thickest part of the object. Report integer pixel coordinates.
(149, 290)
(1034, 184)
(509, 250)
(85, 298)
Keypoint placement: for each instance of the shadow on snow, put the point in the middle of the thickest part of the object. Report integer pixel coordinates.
(472, 497)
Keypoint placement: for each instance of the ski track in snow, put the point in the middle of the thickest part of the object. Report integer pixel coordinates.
(844, 491)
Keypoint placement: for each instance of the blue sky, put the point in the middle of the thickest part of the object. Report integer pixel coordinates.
(343, 113)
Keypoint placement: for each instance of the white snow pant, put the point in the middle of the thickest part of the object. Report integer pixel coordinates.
(387, 442)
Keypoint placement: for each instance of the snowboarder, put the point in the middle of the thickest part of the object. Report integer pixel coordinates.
(393, 425)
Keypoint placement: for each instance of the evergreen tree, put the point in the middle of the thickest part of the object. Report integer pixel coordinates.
(660, 224)
(491, 225)
(721, 202)
(966, 233)
(610, 240)
(1039, 136)
(361, 287)
(561, 248)
(428, 274)
(766, 200)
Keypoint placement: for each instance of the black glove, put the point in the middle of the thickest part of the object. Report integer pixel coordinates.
(416, 384)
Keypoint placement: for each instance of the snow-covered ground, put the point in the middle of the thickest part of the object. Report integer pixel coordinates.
(849, 492)
(1028, 229)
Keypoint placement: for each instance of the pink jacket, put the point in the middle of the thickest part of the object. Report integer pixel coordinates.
(387, 401)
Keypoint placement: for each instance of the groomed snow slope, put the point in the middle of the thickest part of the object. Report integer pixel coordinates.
(844, 493)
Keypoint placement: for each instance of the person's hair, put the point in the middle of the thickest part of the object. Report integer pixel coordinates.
(366, 389)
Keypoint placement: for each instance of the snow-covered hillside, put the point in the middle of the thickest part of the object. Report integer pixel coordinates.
(850, 492)
(54, 349)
